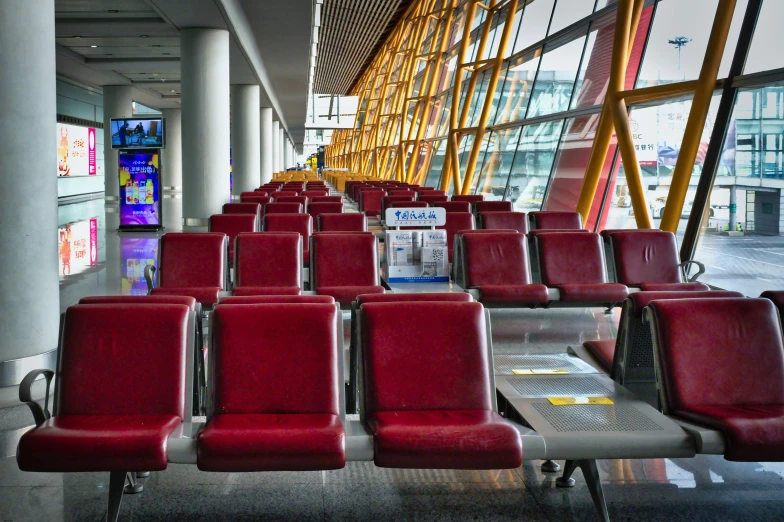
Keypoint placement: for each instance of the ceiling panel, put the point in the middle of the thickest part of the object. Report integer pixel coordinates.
(348, 36)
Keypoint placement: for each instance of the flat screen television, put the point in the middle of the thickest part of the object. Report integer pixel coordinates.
(138, 133)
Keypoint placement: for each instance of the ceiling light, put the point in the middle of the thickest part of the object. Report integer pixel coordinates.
(173, 90)
(166, 54)
(77, 36)
(114, 10)
(144, 36)
(93, 46)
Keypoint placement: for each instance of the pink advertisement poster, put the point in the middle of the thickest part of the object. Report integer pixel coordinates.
(75, 151)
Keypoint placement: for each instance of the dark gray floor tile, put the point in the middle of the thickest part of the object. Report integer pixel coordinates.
(365, 472)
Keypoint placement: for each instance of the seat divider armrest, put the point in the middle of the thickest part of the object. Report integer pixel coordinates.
(684, 266)
(149, 276)
(26, 394)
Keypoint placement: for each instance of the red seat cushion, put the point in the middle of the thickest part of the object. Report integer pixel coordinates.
(531, 294)
(557, 220)
(97, 443)
(503, 220)
(272, 442)
(593, 293)
(267, 290)
(269, 259)
(445, 439)
(675, 287)
(347, 294)
(207, 296)
(604, 351)
(646, 256)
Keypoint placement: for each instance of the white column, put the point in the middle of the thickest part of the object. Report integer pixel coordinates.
(282, 148)
(171, 157)
(276, 146)
(117, 103)
(205, 123)
(266, 145)
(29, 291)
(245, 138)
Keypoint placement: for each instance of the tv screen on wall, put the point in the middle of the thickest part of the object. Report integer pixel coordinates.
(138, 133)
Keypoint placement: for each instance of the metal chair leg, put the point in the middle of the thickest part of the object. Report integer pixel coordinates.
(566, 480)
(116, 486)
(591, 474)
(550, 466)
(132, 487)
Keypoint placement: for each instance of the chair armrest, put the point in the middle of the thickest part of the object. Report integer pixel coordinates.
(26, 396)
(685, 264)
(149, 276)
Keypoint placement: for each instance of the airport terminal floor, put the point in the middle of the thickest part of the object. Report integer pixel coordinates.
(706, 487)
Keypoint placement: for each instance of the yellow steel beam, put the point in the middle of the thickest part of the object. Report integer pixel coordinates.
(658, 92)
(697, 116)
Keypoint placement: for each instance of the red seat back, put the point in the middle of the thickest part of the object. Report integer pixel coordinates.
(493, 206)
(262, 200)
(400, 192)
(188, 301)
(370, 201)
(192, 260)
(469, 198)
(460, 297)
(503, 220)
(571, 257)
(387, 200)
(645, 256)
(456, 221)
(719, 352)
(556, 220)
(777, 296)
(349, 222)
(433, 198)
(495, 259)
(302, 223)
(302, 200)
(242, 208)
(326, 199)
(103, 357)
(283, 208)
(268, 259)
(425, 356)
(276, 195)
(453, 206)
(233, 224)
(265, 299)
(257, 347)
(319, 207)
(408, 204)
(314, 193)
(344, 260)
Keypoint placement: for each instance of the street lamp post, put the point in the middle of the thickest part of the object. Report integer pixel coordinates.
(679, 42)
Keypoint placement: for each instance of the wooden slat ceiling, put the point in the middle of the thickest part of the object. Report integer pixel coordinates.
(348, 38)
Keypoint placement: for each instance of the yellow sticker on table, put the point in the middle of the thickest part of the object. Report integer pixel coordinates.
(575, 401)
(528, 371)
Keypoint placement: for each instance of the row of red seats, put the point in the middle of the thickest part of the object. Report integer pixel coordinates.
(342, 265)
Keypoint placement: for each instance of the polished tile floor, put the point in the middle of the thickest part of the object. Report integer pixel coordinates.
(95, 259)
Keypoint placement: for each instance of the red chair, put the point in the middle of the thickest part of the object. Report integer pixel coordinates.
(233, 224)
(649, 260)
(302, 200)
(345, 266)
(316, 208)
(326, 199)
(279, 299)
(503, 220)
(276, 195)
(310, 194)
(453, 206)
(191, 264)
(243, 208)
(456, 221)
(401, 192)
(430, 199)
(370, 201)
(720, 364)
(386, 201)
(283, 208)
(408, 204)
(268, 264)
(471, 199)
(347, 222)
(426, 191)
(261, 200)
(573, 263)
(96, 425)
(429, 397)
(496, 265)
(555, 220)
(257, 425)
(493, 206)
(301, 223)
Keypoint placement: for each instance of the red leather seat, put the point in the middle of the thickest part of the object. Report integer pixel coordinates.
(326, 199)
(503, 220)
(722, 366)
(261, 200)
(471, 199)
(408, 204)
(188, 301)
(270, 299)
(603, 351)
(386, 201)
(496, 264)
(320, 207)
(460, 297)
(556, 220)
(314, 192)
(302, 200)
(493, 206)
(276, 390)
(649, 260)
(97, 426)
(192, 264)
(345, 266)
(347, 222)
(777, 296)
(283, 208)
(263, 191)
(456, 221)
(370, 201)
(301, 223)
(285, 192)
(428, 396)
(232, 225)
(400, 192)
(453, 206)
(433, 198)
(573, 262)
(268, 263)
(242, 208)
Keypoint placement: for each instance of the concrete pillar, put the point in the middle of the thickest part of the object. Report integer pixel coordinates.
(29, 290)
(205, 123)
(266, 145)
(733, 207)
(171, 156)
(117, 103)
(282, 148)
(245, 138)
(276, 146)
